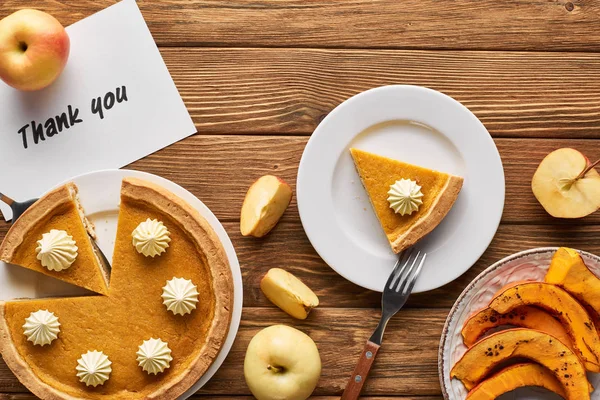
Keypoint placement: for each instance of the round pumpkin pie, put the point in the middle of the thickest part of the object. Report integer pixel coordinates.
(133, 311)
(440, 191)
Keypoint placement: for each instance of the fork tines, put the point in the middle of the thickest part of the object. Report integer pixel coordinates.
(406, 271)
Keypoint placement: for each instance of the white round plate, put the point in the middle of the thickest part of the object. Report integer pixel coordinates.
(525, 265)
(419, 126)
(99, 193)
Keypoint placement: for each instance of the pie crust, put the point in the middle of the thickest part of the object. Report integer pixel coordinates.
(88, 272)
(137, 196)
(439, 189)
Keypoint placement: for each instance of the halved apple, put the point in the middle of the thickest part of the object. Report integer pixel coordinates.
(288, 293)
(567, 185)
(265, 203)
(537, 346)
(527, 317)
(562, 305)
(514, 377)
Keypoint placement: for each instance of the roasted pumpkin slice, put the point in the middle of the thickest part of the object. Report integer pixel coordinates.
(537, 346)
(527, 317)
(568, 270)
(514, 377)
(573, 316)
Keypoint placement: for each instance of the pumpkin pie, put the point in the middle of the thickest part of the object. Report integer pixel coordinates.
(60, 210)
(439, 191)
(133, 311)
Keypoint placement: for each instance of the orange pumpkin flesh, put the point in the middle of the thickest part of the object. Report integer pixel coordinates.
(558, 302)
(527, 317)
(568, 271)
(537, 346)
(514, 377)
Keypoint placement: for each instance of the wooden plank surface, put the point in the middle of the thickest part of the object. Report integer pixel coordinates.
(219, 170)
(461, 24)
(288, 247)
(276, 91)
(257, 78)
(406, 365)
(27, 396)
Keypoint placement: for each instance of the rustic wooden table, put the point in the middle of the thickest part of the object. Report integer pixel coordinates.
(258, 76)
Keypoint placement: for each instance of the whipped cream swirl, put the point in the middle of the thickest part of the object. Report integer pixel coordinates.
(151, 238)
(93, 368)
(56, 250)
(405, 196)
(41, 327)
(180, 296)
(154, 356)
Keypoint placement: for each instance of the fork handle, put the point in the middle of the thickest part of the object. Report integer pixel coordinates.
(361, 371)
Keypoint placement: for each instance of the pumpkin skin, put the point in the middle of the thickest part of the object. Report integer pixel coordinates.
(573, 316)
(514, 377)
(537, 346)
(526, 317)
(568, 270)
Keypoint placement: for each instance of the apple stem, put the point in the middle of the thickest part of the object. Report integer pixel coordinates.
(272, 367)
(587, 169)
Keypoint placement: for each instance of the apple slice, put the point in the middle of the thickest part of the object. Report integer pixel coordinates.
(567, 185)
(288, 293)
(282, 363)
(264, 205)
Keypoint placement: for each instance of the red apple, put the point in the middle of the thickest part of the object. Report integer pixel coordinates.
(34, 48)
(264, 204)
(567, 185)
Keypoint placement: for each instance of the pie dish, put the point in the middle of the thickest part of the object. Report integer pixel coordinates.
(439, 189)
(132, 312)
(59, 209)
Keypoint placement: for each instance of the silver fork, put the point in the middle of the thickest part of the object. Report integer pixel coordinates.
(395, 293)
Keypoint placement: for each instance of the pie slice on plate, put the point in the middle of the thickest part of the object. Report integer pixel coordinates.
(140, 306)
(439, 190)
(59, 210)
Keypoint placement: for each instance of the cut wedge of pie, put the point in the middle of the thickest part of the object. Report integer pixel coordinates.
(133, 311)
(60, 210)
(439, 189)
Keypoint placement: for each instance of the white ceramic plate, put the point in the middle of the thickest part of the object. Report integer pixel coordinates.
(525, 265)
(100, 195)
(413, 124)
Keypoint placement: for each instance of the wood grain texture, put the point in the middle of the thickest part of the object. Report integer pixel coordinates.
(219, 170)
(461, 24)
(287, 247)
(27, 396)
(405, 365)
(292, 90)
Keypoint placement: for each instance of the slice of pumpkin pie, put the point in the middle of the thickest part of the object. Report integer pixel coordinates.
(54, 237)
(409, 201)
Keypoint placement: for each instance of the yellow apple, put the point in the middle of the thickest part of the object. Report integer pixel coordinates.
(34, 48)
(567, 185)
(265, 203)
(282, 363)
(288, 293)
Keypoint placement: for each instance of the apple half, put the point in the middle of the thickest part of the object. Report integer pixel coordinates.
(567, 185)
(264, 205)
